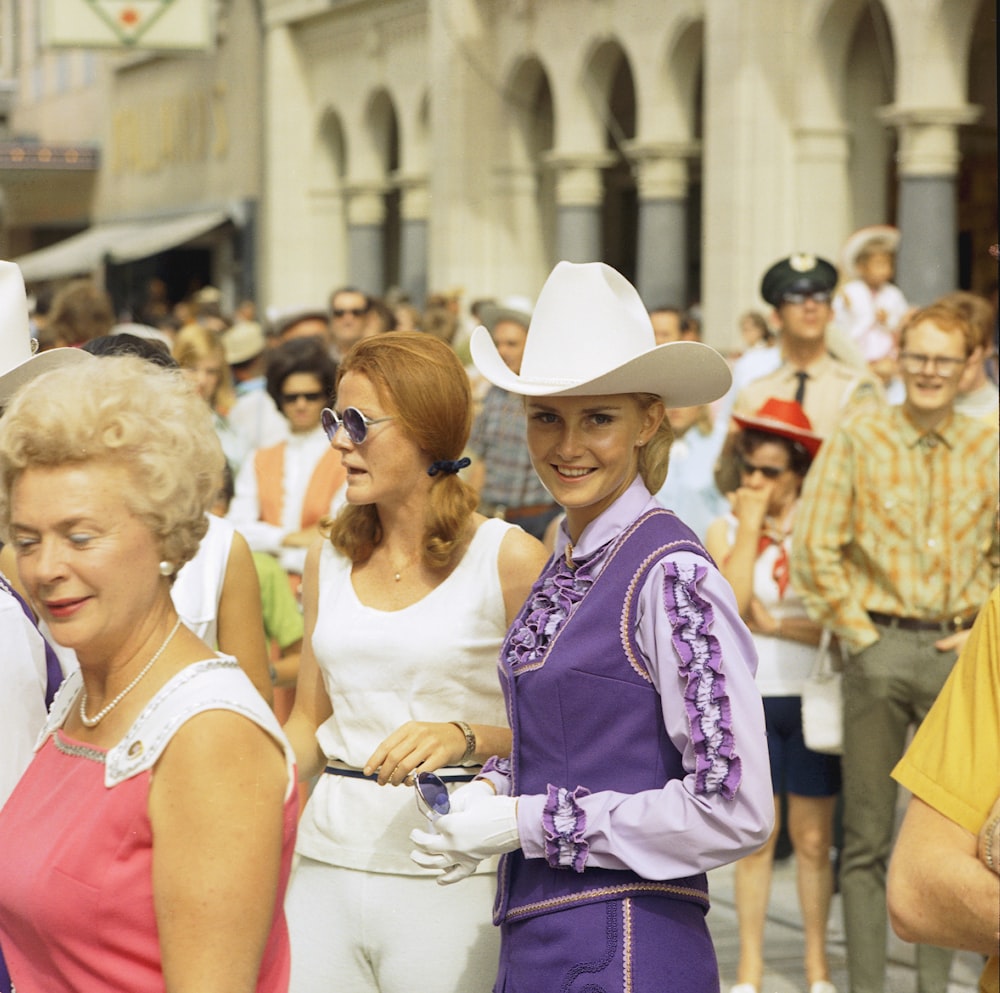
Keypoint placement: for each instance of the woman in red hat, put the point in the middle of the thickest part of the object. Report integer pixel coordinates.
(752, 545)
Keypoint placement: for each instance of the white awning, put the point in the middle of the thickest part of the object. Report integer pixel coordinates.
(83, 253)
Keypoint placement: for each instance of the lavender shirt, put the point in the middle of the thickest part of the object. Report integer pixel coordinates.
(675, 831)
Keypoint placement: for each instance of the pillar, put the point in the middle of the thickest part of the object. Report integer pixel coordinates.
(579, 196)
(927, 161)
(414, 210)
(663, 255)
(366, 237)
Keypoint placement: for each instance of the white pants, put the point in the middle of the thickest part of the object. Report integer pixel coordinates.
(368, 932)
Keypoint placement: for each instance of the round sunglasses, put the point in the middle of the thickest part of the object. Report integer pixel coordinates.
(432, 795)
(351, 420)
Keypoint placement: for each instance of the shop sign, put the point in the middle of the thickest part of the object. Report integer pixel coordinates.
(131, 24)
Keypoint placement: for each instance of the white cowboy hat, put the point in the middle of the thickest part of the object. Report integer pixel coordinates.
(590, 335)
(18, 361)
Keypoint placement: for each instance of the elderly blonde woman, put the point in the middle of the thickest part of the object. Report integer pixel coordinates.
(147, 846)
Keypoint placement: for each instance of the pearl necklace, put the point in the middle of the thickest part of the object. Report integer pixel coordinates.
(92, 722)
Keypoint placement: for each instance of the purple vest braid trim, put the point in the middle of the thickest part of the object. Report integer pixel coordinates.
(565, 824)
(718, 769)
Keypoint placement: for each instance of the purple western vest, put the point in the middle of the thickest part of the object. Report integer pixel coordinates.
(585, 713)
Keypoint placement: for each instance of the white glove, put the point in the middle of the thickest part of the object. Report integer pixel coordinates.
(469, 794)
(461, 841)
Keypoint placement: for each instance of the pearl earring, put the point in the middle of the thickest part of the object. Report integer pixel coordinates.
(166, 568)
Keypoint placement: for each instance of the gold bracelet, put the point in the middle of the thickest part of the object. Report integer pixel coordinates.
(988, 853)
(470, 740)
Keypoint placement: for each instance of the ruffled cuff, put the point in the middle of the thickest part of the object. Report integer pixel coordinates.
(497, 772)
(565, 823)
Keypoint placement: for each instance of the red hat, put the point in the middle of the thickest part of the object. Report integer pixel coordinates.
(785, 418)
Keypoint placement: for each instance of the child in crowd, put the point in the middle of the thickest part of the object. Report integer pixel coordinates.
(869, 306)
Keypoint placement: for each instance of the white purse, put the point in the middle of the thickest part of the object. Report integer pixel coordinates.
(822, 704)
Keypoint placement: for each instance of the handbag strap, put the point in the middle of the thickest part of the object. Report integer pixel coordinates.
(822, 664)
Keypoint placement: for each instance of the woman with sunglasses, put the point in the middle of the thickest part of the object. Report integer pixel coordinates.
(284, 491)
(638, 758)
(406, 605)
(753, 546)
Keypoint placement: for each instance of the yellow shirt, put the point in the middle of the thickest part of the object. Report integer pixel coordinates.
(952, 763)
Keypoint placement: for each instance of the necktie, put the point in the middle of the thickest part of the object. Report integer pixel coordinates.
(800, 390)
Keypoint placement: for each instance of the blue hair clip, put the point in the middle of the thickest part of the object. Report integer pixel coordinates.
(448, 466)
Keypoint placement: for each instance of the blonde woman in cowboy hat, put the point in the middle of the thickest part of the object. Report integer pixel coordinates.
(752, 545)
(639, 759)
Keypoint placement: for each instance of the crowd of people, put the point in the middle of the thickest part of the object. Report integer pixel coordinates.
(271, 581)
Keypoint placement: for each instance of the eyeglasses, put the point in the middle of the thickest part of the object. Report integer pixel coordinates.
(767, 471)
(817, 296)
(942, 365)
(312, 397)
(352, 421)
(353, 311)
(432, 795)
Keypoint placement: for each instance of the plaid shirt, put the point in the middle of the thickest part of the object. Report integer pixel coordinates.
(498, 439)
(898, 521)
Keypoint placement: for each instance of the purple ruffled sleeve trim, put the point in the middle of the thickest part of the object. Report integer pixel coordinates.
(497, 771)
(565, 823)
(718, 768)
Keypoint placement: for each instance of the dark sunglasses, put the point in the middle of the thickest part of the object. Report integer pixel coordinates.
(312, 397)
(355, 311)
(767, 471)
(432, 795)
(351, 420)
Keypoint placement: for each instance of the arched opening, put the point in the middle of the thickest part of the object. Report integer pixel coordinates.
(977, 177)
(620, 208)
(869, 84)
(384, 130)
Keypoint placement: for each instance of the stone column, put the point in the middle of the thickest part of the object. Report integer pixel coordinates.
(414, 210)
(822, 153)
(662, 265)
(928, 158)
(366, 237)
(579, 194)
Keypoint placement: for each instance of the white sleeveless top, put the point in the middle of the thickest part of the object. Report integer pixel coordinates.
(197, 590)
(782, 665)
(435, 660)
(214, 684)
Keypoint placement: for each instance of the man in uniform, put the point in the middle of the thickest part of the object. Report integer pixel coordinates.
(800, 288)
(895, 550)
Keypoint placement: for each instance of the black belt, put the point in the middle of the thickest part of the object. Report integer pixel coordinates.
(958, 623)
(358, 774)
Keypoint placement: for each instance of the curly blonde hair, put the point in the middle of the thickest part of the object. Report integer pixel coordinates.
(422, 383)
(125, 412)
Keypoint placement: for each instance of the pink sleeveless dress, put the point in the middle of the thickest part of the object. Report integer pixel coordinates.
(76, 847)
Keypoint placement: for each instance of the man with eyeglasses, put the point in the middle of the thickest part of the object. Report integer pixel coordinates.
(895, 549)
(349, 308)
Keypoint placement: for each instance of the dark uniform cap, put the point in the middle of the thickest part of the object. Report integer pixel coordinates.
(799, 273)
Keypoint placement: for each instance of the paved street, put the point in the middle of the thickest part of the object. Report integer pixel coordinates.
(784, 942)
